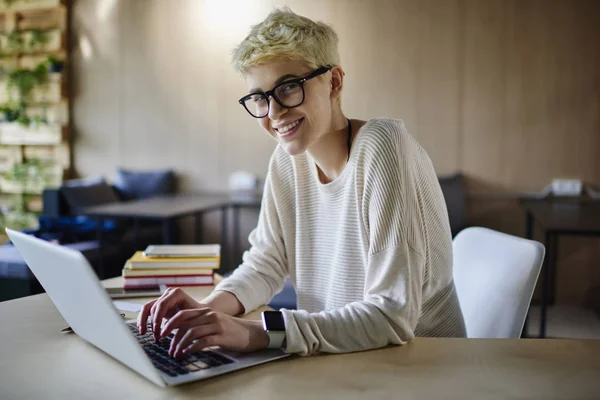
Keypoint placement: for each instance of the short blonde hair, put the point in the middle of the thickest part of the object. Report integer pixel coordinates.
(285, 35)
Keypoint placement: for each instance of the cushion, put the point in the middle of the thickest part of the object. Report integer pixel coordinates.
(89, 192)
(143, 184)
(286, 298)
(12, 265)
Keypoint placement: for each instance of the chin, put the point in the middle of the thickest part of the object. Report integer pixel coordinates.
(293, 149)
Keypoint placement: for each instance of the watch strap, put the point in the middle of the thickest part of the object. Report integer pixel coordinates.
(276, 339)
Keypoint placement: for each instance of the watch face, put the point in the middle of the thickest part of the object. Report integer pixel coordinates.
(274, 321)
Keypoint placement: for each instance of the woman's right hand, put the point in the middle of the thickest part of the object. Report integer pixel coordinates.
(168, 304)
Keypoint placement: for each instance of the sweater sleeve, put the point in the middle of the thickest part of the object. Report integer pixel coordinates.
(394, 274)
(264, 267)
(387, 315)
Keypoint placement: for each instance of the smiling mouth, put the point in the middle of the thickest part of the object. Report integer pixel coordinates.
(289, 129)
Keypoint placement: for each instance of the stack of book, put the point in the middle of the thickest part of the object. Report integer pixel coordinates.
(144, 271)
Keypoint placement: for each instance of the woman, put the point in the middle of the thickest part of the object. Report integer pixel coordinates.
(352, 211)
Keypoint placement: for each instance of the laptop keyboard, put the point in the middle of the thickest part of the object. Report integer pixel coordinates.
(158, 352)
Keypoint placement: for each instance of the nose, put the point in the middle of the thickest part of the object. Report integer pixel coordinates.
(275, 110)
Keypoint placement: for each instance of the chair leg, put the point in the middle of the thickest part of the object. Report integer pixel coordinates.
(548, 264)
(552, 271)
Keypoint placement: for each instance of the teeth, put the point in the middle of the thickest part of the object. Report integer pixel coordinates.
(286, 128)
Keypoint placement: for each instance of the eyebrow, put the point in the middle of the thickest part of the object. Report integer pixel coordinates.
(277, 82)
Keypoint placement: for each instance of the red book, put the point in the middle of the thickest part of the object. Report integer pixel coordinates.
(134, 287)
(168, 276)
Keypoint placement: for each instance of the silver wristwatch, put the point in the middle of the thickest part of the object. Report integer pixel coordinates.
(274, 326)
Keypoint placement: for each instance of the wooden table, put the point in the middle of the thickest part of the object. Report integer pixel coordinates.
(39, 362)
(558, 217)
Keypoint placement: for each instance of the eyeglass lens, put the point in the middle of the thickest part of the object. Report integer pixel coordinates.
(290, 94)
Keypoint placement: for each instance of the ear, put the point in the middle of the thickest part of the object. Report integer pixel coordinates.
(337, 82)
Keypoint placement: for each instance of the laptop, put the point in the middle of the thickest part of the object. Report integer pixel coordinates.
(71, 283)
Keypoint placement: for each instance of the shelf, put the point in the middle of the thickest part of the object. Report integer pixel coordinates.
(40, 55)
(55, 40)
(42, 23)
(35, 204)
(9, 155)
(51, 92)
(29, 61)
(10, 187)
(51, 113)
(21, 220)
(49, 18)
(59, 154)
(10, 190)
(30, 6)
(53, 178)
(55, 113)
(12, 133)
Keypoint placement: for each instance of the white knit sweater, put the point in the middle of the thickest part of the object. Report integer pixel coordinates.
(370, 254)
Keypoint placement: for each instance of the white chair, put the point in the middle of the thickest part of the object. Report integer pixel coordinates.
(495, 275)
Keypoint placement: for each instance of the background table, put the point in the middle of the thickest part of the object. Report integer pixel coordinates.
(167, 209)
(39, 362)
(556, 217)
(163, 208)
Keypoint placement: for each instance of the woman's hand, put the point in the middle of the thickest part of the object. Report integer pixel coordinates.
(203, 327)
(167, 305)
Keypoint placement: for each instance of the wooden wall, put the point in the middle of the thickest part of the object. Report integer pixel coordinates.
(505, 91)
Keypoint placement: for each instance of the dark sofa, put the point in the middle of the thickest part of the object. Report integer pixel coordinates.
(61, 221)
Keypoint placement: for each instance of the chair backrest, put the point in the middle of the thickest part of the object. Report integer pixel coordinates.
(495, 275)
(455, 194)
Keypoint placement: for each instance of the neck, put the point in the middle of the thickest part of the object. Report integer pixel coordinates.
(330, 153)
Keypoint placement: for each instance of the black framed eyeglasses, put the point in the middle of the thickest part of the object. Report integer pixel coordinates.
(288, 94)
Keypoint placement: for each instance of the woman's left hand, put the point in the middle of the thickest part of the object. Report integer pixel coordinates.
(203, 327)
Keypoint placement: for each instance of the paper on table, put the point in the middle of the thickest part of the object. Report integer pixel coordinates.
(126, 306)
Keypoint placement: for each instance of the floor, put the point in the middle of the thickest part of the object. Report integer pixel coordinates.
(566, 322)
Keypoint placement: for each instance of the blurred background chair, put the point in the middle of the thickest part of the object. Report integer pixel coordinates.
(455, 195)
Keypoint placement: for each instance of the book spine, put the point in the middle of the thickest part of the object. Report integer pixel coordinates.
(171, 271)
(145, 286)
(146, 265)
(168, 281)
(165, 276)
(163, 273)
